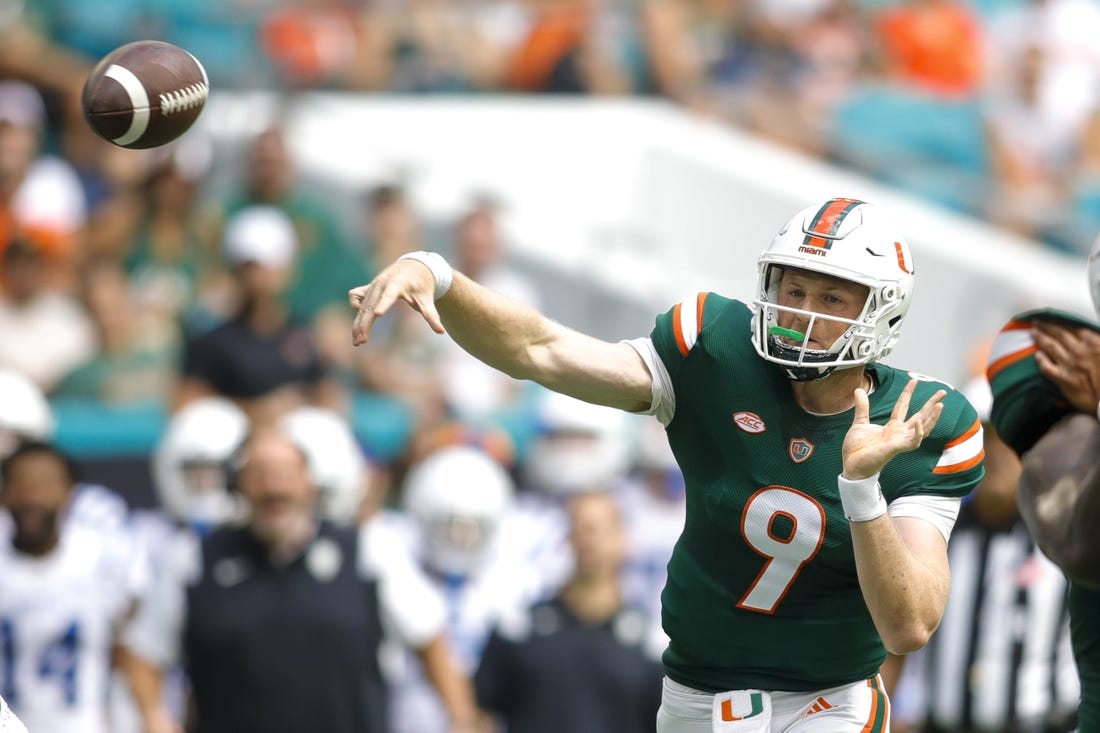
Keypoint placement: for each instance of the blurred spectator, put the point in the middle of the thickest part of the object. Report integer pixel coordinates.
(791, 63)
(1064, 31)
(191, 468)
(471, 389)
(312, 43)
(932, 45)
(686, 42)
(326, 264)
(577, 447)
(562, 52)
(261, 357)
(391, 225)
(653, 505)
(192, 465)
(40, 195)
(149, 217)
(1001, 659)
(405, 363)
(405, 360)
(1082, 197)
(456, 498)
(337, 465)
(1030, 156)
(279, 623)
(44, 333)
(417, 46)
(580, 661)
(65, 591)
(27, 417)
(138, 350)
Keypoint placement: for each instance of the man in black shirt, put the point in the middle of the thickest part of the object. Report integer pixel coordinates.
(279, 624)
(261, 357)
(578, 662)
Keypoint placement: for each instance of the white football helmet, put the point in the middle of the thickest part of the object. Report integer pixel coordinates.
(24, 411)
(851, 240)
(458, 497)
(579, 447)
(337, 465)
(192, 462)
(1094, 274)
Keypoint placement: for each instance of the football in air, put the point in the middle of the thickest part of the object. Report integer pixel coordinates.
(144, 94)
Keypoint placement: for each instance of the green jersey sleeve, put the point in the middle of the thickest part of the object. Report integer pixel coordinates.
(677, 331)
(1025, 403)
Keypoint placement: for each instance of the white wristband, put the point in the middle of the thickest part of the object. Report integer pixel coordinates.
(862, 499)
(441, 270)
(1098, 410)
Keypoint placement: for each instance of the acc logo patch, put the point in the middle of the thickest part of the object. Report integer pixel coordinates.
(800, 449)
(750, 422)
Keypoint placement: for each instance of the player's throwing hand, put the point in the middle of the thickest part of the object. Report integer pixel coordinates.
(406, 279)
(868, 447)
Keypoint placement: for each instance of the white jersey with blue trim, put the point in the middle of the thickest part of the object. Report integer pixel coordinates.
(474, 605)
(59, 617)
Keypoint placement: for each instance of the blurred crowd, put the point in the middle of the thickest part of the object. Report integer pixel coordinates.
(984, 106)
(508, 536)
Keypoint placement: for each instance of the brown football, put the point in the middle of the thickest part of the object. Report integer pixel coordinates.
(145, 94)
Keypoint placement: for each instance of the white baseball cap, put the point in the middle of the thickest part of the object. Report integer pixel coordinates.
(260, 234)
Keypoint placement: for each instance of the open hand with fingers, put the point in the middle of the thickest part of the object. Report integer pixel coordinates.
(868, 447)
(1069, 356)
(406, 279)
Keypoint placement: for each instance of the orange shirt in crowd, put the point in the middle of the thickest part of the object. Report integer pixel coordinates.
(935, 45)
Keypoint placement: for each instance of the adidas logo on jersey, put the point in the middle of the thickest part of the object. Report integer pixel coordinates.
(750, 422)
(819, 705)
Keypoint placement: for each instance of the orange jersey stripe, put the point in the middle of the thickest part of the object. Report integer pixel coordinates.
(961, 466)
(970, 432)
(700, 303)
(1008, 360)
(678, 330)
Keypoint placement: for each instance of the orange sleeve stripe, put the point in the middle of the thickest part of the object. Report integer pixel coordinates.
(678, 330)
(700, 303)
(1017, 326)
(970, 432)
(1008, 360)
(963, 466)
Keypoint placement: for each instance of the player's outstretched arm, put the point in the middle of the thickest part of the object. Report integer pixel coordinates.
(901, 563)
(507, 335)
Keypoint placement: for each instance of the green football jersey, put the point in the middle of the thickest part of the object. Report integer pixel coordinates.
(762, 589)
(1025, 405)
